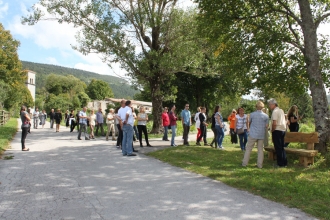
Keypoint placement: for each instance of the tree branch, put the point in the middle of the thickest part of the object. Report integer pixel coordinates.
(320, 19)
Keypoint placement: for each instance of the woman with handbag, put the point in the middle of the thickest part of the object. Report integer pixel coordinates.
(242, 127)
(25, 118)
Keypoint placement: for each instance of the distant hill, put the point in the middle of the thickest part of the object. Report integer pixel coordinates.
(120, 87)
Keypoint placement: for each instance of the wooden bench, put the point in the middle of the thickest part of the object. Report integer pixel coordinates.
(306, 156)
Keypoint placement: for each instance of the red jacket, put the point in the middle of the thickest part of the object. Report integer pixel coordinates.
(166, 119)
(173, 118)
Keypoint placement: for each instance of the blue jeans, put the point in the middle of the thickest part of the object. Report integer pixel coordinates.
(220, 135)
(243, 139)
(136, 132)
(165, 133)
(127, 147)
(173, 128)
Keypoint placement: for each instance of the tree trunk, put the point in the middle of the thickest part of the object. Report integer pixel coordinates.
(312, 60)
(157, 108)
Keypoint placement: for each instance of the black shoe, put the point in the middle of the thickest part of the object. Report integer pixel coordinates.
(131, 155)
(149, 145)
(206, 144)
(135, 151)
(79, 138)
(186, 144)
(87, 139)
(141, 145)
(198, 144)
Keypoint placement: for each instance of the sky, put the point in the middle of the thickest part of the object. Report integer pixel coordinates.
(50, 42)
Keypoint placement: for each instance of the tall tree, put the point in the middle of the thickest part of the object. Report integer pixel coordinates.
(98, 90)
(276, 46)
(140, 35)
(11, 73)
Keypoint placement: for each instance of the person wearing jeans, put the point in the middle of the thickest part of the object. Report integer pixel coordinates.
(127, 119)
(165, 123)
(36, 118)
(258, 124)
(99, 122)
(186, 122)
(173, 119)
(242, 122)
(83, 124)
(219, 126)
(25, 118)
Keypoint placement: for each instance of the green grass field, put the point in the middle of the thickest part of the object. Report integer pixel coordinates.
(295, 186)
(6, 133)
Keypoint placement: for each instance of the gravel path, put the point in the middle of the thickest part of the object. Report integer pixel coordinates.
(64, 178)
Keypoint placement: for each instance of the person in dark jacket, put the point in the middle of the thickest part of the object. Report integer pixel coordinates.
(58, 119)
(52, 118)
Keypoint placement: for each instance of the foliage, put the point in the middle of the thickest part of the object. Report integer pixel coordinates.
(64, 92)
(12, 77)
(120, 87)
(150, 39)
(274, 45)
(7, 133)
(286, 185)
(99, 90)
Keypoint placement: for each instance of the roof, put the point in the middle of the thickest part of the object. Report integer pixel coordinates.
(133, 101)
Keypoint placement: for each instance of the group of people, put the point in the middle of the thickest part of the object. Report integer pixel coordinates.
(169, 121)
(131, 127)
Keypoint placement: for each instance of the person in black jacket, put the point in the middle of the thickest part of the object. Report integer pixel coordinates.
(214, 130)
(52, 118)
(202, 126)
(58, 119)
(72, 121)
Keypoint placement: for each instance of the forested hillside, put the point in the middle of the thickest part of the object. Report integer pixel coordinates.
(119, 86)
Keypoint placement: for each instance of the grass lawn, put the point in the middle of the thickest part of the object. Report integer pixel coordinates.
(6, 133)
(295, 186)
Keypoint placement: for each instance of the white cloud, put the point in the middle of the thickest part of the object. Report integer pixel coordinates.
(3, 9)
(52, 60)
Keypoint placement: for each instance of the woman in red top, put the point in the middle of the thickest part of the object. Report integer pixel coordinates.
(173, 119)
(166, 123)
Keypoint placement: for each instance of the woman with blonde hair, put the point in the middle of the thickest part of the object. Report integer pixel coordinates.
(142, 118)
(92, 119)
(293, 118)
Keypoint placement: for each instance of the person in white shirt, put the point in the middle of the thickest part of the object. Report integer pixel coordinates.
(111, 124)
(197, 125)
(36, 118)
(127, 120)
(278, 132)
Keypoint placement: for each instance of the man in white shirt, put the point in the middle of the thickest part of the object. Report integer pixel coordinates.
(36, 118)
(126, 117)
(278, 132)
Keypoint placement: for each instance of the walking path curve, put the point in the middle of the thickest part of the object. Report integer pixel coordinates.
(65, 178)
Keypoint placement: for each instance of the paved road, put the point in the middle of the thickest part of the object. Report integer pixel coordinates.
(64, 178)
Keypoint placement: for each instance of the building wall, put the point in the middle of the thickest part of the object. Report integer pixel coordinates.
(30, 83)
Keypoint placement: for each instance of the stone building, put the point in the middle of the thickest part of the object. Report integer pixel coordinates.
(30, 83)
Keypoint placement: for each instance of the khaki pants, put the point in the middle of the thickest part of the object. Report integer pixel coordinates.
(111, 128)
(249, 147)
